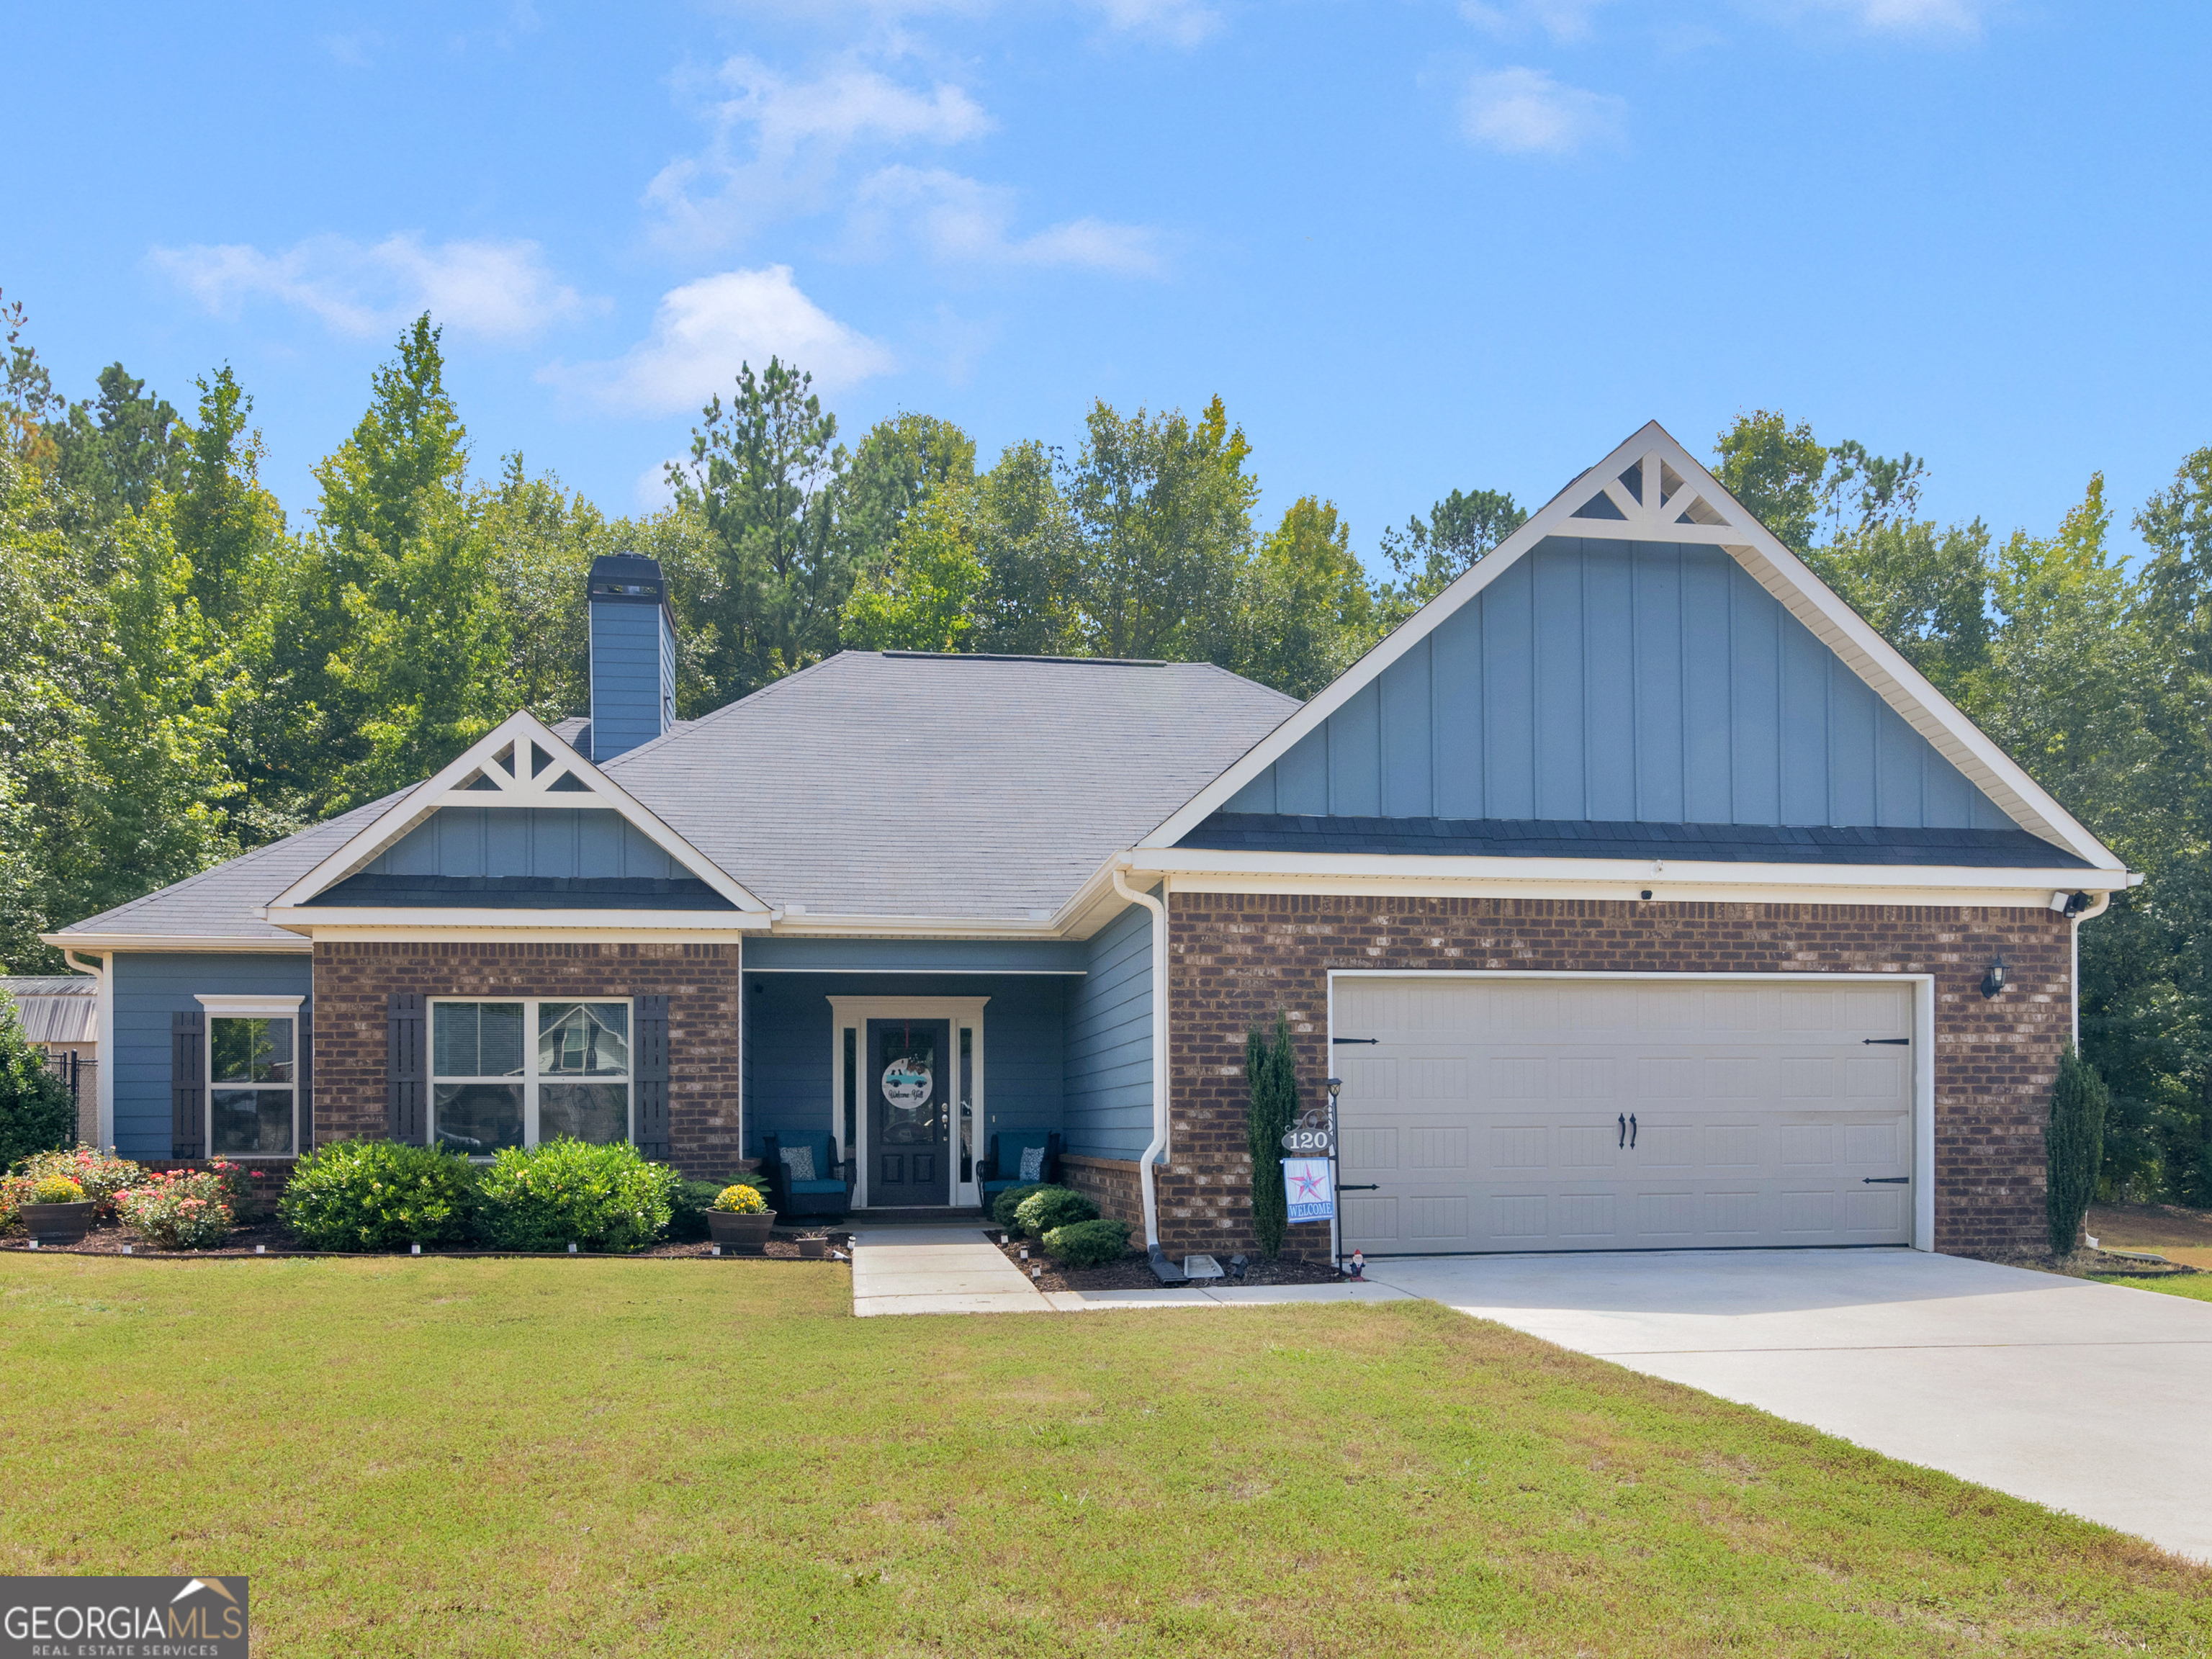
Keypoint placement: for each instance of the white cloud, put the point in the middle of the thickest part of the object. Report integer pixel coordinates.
(962, 221)
(704, 329)
(1564, 20)
(490, 290)
(1179, 23)
(1926, 17)
(777, 145)
(1524, 111)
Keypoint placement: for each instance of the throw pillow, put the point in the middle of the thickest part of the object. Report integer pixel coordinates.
(1033, 1163)
(797, 1163)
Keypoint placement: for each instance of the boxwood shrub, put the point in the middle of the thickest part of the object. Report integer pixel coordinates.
(566, 1191)
(379, 1195)
(688, 1205)
(1088, 1244)
(1053, 1206)
(1003, 1206)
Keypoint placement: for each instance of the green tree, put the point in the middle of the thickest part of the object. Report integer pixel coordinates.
(35, 1112)
(115, 450)
(26, 393)
(764, 478)
(2074, 1145)
(1432, 554)
(892, 470)
(227, 523)
(925, 594)
(1309, 612)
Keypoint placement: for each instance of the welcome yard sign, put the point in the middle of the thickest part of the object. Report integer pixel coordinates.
(1309, 1188)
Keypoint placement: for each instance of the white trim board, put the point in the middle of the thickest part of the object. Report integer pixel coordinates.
(1718, 519)
(514, 784)
(246, 1008)
(1924, 1046)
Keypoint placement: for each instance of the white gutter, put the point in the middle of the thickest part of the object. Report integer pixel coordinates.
(103, 1059)
(1159, 1146)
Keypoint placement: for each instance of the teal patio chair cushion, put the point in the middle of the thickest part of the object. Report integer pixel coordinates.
(800, 1186)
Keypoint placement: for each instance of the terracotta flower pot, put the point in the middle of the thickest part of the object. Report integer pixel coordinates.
(741, 1235)
(59, 1223)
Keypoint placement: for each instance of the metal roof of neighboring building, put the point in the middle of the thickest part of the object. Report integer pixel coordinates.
(55, 1007)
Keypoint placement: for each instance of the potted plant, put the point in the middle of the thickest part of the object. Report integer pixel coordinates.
(740, 1219)
(56, 1211)
(813, 1247)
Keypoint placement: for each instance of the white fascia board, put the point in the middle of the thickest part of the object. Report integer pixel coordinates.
(1439, 873)
(330, 921)
(215, 944)
(834, 926)
(444, 790)
(1770, 563)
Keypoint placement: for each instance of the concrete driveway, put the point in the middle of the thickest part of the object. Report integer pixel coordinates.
(2083, 1397)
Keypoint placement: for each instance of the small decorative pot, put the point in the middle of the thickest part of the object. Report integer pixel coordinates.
(813, 1250)
(59, 1223)
(741, 1235)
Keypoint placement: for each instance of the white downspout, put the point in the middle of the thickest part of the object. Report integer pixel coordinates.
(1159, 1055)
(2073, 983)
(103, 1072)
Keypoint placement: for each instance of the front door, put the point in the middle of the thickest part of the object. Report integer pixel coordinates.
(909, 1127)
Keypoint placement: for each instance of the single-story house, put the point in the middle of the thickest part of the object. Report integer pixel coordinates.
(1638, 893)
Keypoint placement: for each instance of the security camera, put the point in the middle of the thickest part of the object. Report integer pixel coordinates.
(2071, 904)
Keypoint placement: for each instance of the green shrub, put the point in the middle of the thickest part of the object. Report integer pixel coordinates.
(1053, 1206)
(1088, 1244)
(688, 1205)
(565, 1192)
(380, 1195)
(1004, 1206)
(1271, 1074)
(2074, 1147)
(36, 1113)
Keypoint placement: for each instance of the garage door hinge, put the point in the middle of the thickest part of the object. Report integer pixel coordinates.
(1894, 1042)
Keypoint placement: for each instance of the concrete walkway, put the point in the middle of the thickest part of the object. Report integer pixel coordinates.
(2083, 1397)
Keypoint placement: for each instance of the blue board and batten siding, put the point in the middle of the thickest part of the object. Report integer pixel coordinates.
(633, 676)
(1622, 681)
(151, 987)
(567, 841)
(1110, 1042)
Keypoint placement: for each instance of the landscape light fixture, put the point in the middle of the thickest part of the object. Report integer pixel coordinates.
(1335, 1084)
(1993, 983)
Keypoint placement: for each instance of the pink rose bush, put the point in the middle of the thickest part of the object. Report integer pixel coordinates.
(184, 1209)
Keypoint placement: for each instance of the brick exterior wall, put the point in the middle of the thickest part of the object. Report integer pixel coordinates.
(1111, 1183)
(353, 979)
(1234, 959)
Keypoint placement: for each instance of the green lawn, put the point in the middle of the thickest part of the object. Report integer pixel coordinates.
(541, 1458)
(2195, 1286)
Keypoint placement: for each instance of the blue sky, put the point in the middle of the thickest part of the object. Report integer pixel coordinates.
(1415, 246)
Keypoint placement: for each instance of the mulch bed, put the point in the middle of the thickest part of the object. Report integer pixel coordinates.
(275, 1239)
(1133, 1271)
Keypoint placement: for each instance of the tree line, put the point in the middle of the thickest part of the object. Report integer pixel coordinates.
(186, 673)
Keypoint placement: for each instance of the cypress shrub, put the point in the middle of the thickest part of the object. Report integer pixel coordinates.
(1270, 1073)
(2075, 1144)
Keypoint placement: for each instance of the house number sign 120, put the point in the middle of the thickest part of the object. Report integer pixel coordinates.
(1310, 1143)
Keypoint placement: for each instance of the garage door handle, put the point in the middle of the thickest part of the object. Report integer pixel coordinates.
(1887, 1042)
(1631, 1132)
(1371, 1187)
(1622, 1120)
(1884, 1181)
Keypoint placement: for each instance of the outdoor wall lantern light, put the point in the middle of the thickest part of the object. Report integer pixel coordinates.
(1993, 981)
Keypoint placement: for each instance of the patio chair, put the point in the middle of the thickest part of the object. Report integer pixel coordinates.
(1003, 1168)
(829, 1192)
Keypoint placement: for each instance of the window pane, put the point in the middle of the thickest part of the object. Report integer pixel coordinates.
(583, 1039)
(477, 1118)
(253, 1120)
(251, 1050)
(597, 1112)
(476, 1039)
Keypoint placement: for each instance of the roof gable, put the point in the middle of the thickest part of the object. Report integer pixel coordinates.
(519, 784)
(1642, 649)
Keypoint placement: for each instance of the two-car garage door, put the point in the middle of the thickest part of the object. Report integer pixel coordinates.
(1596, 1114)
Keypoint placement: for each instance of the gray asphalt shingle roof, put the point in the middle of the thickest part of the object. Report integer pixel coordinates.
(903, 784)
(893, 784)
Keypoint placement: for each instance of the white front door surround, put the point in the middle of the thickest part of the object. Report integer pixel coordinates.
(848, 1102)
(1510, 1112)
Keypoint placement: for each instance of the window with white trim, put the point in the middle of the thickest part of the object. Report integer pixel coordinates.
(515, 1073)
(252, 1075)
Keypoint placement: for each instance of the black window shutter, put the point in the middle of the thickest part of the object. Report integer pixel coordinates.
(403, 1087)
(188, 1084)
(303, 1074)
(649, 1069)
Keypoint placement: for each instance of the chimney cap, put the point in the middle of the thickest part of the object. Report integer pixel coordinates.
(626, 579)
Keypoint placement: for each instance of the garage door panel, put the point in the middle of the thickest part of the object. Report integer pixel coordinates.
(1497, 1123)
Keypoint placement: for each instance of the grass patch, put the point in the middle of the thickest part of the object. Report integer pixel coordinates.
(2195, 1286)
(520, 1457)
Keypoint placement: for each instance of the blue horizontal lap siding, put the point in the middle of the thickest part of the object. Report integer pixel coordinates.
(788, 1075)
(1110, 1042)
(149, 988)
(1618, 681)
(572, 842)
(633, 668)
